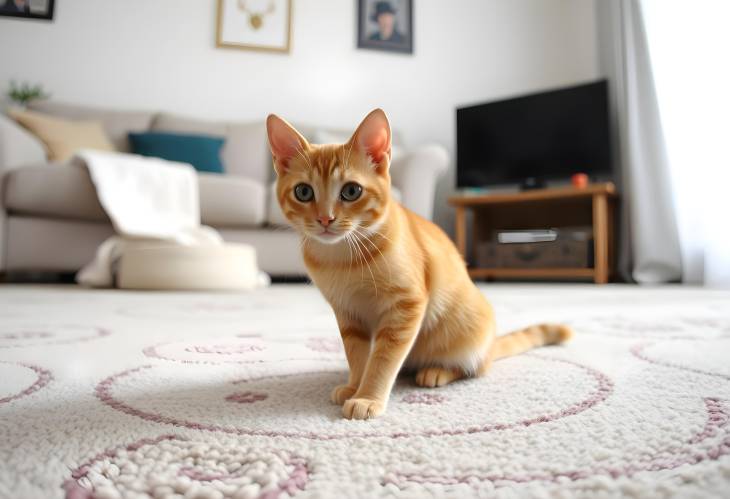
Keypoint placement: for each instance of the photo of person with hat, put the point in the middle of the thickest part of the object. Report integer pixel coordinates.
(386, 25)
(15, 7)
(36, 9)
(384, 15)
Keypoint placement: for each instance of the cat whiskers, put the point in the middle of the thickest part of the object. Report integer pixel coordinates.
(355, 251)
(303, 241)
(363, 234)
(370, 255)
(349, 248)
(362, 249)
(282, 228)
(347, 157)
(378, 233)
(306, 159)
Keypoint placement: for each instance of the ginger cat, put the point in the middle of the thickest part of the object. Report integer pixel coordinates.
(398, 286)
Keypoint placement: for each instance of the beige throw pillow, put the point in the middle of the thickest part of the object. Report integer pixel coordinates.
(63, 138)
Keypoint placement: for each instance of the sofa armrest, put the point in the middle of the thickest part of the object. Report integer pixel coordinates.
(415, 174)
(18, 147)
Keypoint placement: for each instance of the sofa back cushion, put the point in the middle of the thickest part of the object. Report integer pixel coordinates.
(117, 124)
(320, 135)
(245, 152)
(201, 151)
(334, 137)
(61, 137)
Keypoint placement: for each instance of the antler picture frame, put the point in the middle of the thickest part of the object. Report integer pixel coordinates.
(254, 25)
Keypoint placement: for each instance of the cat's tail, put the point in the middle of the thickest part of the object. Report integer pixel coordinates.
(529, 338)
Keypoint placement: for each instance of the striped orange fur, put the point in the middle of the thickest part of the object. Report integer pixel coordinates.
(399, 289)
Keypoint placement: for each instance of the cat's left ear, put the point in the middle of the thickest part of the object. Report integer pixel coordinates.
(373, 137)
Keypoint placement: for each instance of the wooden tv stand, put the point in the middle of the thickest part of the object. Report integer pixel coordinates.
(541, 209)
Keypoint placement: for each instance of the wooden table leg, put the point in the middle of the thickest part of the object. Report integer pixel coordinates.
(611, 239)
(461, 231)
(600, 238)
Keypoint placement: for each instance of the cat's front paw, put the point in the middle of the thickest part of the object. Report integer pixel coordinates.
(342, 393)
(362, 408)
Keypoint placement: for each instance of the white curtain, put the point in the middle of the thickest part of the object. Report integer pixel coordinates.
(650, 251)
(673, 223)
(689, 45)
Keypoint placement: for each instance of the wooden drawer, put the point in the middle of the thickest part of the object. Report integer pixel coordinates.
(559, 253)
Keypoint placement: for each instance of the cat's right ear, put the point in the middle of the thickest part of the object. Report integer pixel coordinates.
(285, 142)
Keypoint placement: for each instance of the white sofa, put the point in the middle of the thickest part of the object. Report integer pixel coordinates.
(51, 221)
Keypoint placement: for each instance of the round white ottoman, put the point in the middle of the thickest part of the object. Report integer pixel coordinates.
(221, 267)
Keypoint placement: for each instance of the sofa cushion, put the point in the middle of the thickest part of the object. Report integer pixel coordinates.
(66, 191)
(230, 201)
(246, 151)
(54, 191)
(117, 124)
(201, 151)
(61, 137)
(319, 135)
(274, 215)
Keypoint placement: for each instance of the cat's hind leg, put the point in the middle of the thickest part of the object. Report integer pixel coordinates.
(432, 377)
(472, 367)
(448, 362)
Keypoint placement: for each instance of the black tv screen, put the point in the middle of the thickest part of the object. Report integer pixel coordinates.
(543, 136)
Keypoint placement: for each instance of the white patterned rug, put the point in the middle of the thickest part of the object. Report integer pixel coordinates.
(118, 394)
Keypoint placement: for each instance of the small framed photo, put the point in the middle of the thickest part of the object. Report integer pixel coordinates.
(27, 9)
(385, 25)
(254, 24)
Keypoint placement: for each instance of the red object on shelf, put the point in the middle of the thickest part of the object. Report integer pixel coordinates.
(579, 180)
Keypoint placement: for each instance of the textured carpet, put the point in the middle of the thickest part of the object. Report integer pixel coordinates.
(118, 394)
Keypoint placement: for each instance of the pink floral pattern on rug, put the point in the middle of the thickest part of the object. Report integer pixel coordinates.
(225, 349)
(246, 397)
(592, 386)
(43, 378)
(326, 345)
(640, 352)
(200, 310)
(41, 334)
(638, 404)
(424, 398)
(26, 335)
(169, 465)
(689, 453)
(238, 350)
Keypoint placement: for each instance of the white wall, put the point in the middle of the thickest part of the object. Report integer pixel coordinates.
(161, 54)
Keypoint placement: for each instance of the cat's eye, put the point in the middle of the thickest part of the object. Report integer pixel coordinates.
(351, 191)
(304, 193)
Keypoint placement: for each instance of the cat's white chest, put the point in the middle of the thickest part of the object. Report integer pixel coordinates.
(355, 296)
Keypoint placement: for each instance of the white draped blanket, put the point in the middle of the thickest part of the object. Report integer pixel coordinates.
(150, 201)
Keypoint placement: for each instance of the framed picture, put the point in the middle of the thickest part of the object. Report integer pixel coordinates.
(27, 9)
(254, 24)
(385, 25)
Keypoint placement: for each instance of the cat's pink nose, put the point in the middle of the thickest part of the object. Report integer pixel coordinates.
(325, 220)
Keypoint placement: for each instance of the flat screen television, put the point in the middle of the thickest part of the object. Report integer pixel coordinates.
(535, 138)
